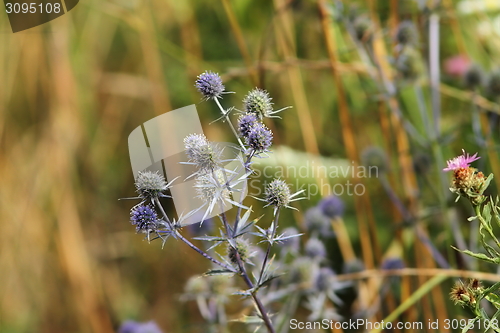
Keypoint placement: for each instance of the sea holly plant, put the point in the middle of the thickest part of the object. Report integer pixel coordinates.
(471, 184)
(218, 186)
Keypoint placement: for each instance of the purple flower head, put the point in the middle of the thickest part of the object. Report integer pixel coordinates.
(259, 138)
(332, 206)
(317, 222)
(209, 84)
(131, 326)
(462, 161)
(245, 124)
(315, 249)
(144, 218)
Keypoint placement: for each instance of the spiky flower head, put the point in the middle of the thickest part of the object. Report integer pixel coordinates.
(325, 278)
(303, 271)
(473, 77)
(241, 249)
(363, 28)
(202, 153)
(277, 193)
(461, 295)
(257, 101)
(245, 124)
(196, 285)
(259, 138)
(315, 249)
(131, 326)
(144, 218)
(150, 184)
(407, 33)
(212, 186)
(209, 84)
(410, 65)
(316, 222)
(375, 157)
(493, 83)
(220, 284)
(332, 206)
(462, 161)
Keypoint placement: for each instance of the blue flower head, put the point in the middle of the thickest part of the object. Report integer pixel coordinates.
(144, 218)
(332, 206)
(131, 326)
(209, 84)
(259, 138)
(245, 124)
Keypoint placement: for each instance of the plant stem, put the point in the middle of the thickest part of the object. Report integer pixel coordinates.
(247, 172)
(191, 245)
(226, 115)
(244, 275)
(268, 251)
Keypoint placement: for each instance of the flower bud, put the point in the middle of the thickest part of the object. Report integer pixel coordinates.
(407, 33)
(150, 184)
(203, 154)
(375, 157)
(277, 193)
(493, 83)
(473, 77)
(258, 102)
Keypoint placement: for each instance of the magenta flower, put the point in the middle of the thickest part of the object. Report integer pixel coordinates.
(461, 161)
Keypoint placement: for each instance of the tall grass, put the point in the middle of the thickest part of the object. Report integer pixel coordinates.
(74, 89)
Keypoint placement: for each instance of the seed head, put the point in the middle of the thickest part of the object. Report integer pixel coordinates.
(212, 186)
(144, 218)
(493, 83)
(242, 249)
(409, 64)
(277, 193)
(375, 157)
(196, 285)
(259, 138)
(220, 284)
(245, 124)
(460, 295)
(209, 84)
(205, 155)
(363, 27)
(473, 77)
(150, 185)
(407, 33)
(258, 102)
(302, 271)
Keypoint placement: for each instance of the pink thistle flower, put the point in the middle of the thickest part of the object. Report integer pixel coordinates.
(461, 161)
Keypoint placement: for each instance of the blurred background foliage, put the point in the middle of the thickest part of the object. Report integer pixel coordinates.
(73, 90)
